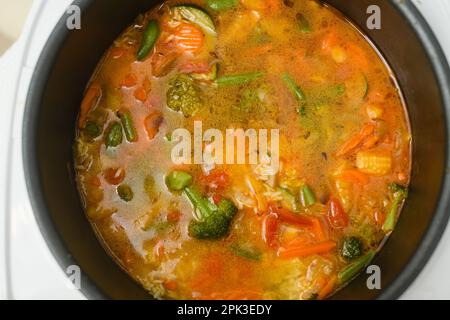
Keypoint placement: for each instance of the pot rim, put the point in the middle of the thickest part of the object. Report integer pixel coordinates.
(54, 240)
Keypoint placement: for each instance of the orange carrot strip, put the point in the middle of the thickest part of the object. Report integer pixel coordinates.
(91, 97)
(357, 140)
(298, 252)
(328, 288)
(318, 230)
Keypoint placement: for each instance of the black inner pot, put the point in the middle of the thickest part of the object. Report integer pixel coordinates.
(68, 61)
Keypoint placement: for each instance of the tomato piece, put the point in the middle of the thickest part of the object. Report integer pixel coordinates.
(217, 198)
(174, 216)
(129, 81)
(336, 215)
(270, 230)
(216, 180)
(152, 123)
(114, 176)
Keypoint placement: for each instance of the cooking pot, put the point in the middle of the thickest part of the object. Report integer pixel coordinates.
(69, 59)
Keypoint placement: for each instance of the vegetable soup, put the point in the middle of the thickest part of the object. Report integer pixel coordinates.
(243, 231)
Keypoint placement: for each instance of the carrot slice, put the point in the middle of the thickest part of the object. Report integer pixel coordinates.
(355, 142)
(91, 97)
(189, 38)
(302, 251)
(129, 81)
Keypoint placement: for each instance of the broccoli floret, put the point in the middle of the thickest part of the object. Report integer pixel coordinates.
(398, 190)
(399, 194)
(351, 248)
(183, 95)
(213, 221)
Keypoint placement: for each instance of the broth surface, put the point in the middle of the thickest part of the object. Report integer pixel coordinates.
(297, 66)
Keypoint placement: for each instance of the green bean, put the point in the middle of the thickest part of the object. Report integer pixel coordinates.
(125, 193)
(128, 127)
(307, 196)
(114, 135)
(349, 272)
(246, 251)
(295, 89)
(238, 79)
(151, 34)
(303, 23)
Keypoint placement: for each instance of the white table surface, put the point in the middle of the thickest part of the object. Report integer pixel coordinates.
(27, 268)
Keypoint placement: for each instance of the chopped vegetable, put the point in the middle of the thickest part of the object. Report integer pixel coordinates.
(270, 230)
(197, 16)
(213, 220)
(128, 126)
(351, 248)
(152, 123)
(336, 215)
(91, 98)
(289, 217)
(125, 193)
(114, 176)
(338, 54)
(374, 163)
(303, 23)
(189, 38)
(296, 91)
(183, 95)
(399, 193)
(374, 111)
(114, 135)
(246, 251)
(238, 79)
(151, 34)
(222, 5)
(328, 288)
(210, 75)
(178, 180)
(349, 272)
(356, 142)
(357, 87)
(288, 199)
(307, 196)
(92, 130)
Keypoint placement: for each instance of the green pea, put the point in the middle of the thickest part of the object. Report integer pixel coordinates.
(125, 193)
